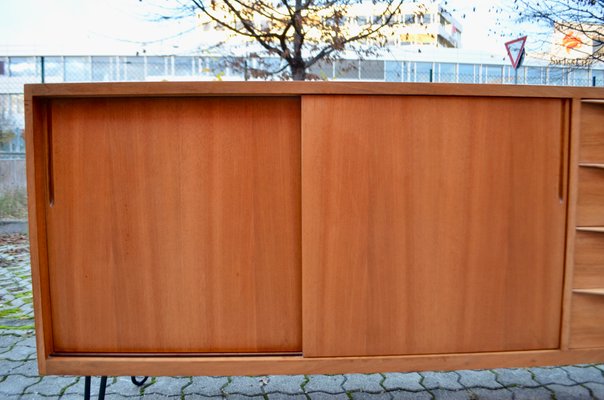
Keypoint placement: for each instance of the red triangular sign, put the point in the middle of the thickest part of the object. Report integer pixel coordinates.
(515, 48)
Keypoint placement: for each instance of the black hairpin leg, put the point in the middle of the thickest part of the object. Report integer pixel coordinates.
(102, 388)
(103, 385)
(87, 388)
(137, 382)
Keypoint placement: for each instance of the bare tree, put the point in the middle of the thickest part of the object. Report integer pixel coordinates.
(9, 129)
(578, 27)
(301, 33)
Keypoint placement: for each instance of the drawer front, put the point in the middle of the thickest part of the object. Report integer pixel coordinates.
(589, 260)
(590, 203)
(587, 325)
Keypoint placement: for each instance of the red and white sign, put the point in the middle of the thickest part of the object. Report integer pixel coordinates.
(515, 49)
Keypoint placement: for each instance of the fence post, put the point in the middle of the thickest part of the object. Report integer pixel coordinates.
(431, 75)
(42, 69)
(593, 81)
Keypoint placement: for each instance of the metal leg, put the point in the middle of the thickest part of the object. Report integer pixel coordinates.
(137, 382)
(102, 387)
(87, 388)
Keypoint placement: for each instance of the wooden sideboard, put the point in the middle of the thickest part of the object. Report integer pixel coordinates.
(314, 227)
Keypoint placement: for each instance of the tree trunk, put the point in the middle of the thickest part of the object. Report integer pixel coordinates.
(298, 72)
(297, 64)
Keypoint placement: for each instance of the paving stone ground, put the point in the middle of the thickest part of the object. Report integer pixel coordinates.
(19, 376)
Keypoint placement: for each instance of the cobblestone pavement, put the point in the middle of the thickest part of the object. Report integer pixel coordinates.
(19, 378)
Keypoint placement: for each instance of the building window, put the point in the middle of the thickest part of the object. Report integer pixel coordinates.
(580, 77)
(447, 72)
(494, 74)
(21, 66)
(347, 69)
(268, 64)
(393, 71)
(442, 42)
(423, 72)
(535, 76)
(77, 69)
(409, 19)
(509, 74)
(134, 68)
(156, 66)
(322, 69)
(215, 66)
(427, 19)
(466, 73)
(599, 77)
(53, 68)
(102, 69)
(372, 70)
(183, 66)
(557, 76)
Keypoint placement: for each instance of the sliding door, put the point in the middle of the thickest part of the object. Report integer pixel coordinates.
(174, 225)
(432, 224)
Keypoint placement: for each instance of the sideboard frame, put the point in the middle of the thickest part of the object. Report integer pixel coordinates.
(37, 121)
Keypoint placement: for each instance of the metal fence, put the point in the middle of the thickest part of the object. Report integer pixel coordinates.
(17, 71)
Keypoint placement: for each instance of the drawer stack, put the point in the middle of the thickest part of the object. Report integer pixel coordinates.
(587, 320)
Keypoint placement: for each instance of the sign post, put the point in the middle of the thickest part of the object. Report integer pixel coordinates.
(515, 50)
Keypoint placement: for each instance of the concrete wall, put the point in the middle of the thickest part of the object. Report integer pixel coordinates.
(12, 175)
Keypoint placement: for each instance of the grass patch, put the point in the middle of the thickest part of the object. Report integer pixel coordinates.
(10, 312)
(23, 295)
(17, 328)
(13, 205)
(26, 296)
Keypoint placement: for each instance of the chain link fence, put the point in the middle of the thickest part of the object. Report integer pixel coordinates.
(17, 71)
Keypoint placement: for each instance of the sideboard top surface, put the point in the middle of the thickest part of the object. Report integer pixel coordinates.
(300, 88)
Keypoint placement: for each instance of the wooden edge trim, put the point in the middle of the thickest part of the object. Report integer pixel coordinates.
(36, 165)
(33, 232)
(571, 231)
(30, 154)
(300, 88)
(191, 366)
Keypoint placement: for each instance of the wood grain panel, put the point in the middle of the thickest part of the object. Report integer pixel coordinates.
(175, 225)
(587, 324)
(589, 260)
(186, 366)
(590, 201)
(431, 225)
(592, 133)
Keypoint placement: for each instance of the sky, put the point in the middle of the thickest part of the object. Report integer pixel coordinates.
(128, 26)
